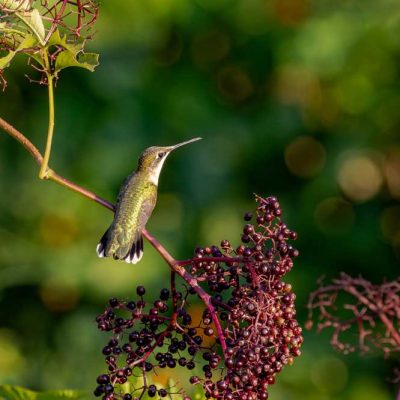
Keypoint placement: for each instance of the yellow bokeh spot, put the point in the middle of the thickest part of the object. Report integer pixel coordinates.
(210, 46)
(59, 296)
(360, 177)
(234, 83)
(305, 156)
(297, 85)
(196, 312)
(334, 215)
(291, 12)
(162, 376)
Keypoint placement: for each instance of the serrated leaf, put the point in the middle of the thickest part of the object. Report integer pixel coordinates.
(8, 392)
(57, 40)
(29, 41)
(73, 55)
(83, 60)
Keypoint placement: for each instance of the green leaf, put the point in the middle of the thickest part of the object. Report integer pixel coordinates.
(16, 5)
(29, 41)
(73, 55)
(83, 60)
(33, 20)
(8, 392)
(28, 15)
(57, 40)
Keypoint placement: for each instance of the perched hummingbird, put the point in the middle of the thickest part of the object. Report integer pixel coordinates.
(136, 200)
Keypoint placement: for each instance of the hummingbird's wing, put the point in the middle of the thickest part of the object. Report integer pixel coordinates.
(122, 189)
(135, 205)
(103, 248)
(136, 251)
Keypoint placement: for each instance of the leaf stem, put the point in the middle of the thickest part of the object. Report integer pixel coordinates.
(44, 170)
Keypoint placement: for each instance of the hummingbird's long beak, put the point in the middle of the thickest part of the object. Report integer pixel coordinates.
(183, 143)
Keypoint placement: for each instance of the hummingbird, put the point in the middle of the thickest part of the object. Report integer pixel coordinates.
(136, 200)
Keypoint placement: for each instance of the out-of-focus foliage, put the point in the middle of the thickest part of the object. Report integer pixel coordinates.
(8, 392)
(294, 98)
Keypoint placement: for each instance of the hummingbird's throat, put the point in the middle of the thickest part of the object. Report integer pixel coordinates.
(155, 172)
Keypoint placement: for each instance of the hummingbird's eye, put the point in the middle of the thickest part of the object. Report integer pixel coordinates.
(161, 155)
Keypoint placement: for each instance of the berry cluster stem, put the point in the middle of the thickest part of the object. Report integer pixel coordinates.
(177, 266)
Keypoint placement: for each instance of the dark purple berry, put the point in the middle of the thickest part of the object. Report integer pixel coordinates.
(140, 290)
(113, 302)
(152, 390)
(248, 216)
(99, 391)
(103, 379)
(164, 294)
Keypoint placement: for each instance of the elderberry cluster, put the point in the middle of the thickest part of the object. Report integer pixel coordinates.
(254, 305)
(145, 338)
(248, 331)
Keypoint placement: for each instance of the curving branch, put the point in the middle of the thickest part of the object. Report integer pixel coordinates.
(175, 265)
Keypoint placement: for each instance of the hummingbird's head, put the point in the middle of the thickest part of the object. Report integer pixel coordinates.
(152, 159)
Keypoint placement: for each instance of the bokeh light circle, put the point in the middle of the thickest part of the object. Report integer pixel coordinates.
(305, 156)
(360, 177)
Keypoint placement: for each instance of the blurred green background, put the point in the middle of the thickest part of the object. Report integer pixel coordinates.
(296, 98)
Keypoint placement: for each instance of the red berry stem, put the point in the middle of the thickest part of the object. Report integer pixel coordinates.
(177, 267)
(371, 304)
(196, 260)
(174, 297)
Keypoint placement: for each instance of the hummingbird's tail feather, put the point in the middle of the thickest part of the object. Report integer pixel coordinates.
(136, 252)
(126, 251)
(101, 247)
